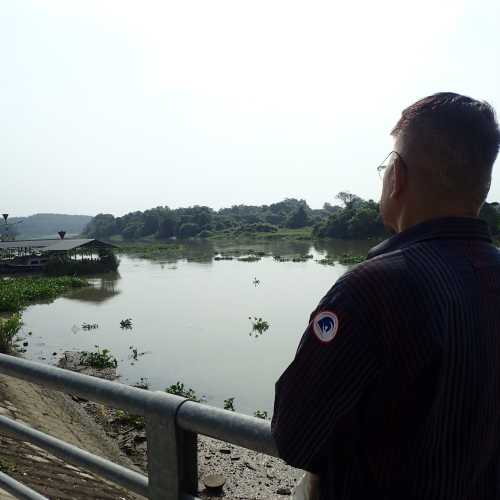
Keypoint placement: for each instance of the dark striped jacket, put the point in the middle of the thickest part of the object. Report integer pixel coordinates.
(394, 392)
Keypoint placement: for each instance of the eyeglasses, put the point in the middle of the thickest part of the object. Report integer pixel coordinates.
(387, 162)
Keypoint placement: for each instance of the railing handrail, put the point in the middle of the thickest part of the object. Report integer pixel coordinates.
(165, 414)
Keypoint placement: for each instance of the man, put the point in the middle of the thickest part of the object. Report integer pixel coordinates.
(394, 392)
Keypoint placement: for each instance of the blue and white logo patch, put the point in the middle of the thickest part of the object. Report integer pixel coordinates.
(325, 325)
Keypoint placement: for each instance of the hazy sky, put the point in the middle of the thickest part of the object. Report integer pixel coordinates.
(114, 106)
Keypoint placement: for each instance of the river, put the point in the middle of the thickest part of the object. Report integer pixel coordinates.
(190, 319)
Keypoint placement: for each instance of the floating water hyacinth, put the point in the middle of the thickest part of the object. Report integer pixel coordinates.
(259, 326)
(126, 324)
(90, 326)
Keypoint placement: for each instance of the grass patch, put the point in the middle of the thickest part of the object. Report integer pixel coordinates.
(281, 234)
(154, 250)
(17, 293)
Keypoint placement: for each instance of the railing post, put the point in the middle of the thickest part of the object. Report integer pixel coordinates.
(172, 456)
(163, 462)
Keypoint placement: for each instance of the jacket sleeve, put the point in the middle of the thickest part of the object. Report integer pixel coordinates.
(336, 360)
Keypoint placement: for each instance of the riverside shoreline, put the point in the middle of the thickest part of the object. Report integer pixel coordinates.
(93, 427)
(56, 414)
(248, 474)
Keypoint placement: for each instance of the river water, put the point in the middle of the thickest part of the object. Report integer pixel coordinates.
(190, 319)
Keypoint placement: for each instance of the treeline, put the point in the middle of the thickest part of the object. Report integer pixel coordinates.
(351, 218)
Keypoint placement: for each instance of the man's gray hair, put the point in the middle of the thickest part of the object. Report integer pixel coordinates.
(460, 135)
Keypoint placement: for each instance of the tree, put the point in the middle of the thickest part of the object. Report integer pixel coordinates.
(133, 230)
(167, 225)
(298, 219)
(348, 199)
(365, 223)
(328, 207)
(188, 229)
(150, 222)
(101, 226)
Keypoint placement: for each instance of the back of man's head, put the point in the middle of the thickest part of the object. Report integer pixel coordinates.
(452, 140)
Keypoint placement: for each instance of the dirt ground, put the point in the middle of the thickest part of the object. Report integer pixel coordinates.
(248, 475)
(57, 415)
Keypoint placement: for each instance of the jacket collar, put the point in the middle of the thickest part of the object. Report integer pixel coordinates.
(446, 228)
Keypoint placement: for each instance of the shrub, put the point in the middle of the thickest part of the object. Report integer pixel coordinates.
(8, 330)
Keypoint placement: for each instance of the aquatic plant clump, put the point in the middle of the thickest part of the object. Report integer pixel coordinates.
(261, 414)
(126, 324)
(259, 326)
(348, 258)
(179, 390)
(249, 258)
(345, 259)
(229, 404)
(98, 359)
(9, 328)
(90, 326)
(16, 293)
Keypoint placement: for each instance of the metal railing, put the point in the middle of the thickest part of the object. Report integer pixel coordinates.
(172, 426)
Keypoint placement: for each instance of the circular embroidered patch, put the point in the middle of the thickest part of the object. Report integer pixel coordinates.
(325, 326)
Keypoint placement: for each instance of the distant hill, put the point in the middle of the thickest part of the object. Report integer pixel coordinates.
(48, 225)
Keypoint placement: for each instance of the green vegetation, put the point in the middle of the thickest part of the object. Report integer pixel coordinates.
(90, 326)
(126, 324)
(348, 259)
(352, 218)
(179, 390)
(357, 219)
(19, 292)
(248, 234)
(168, 251)
(288, 218)
(249, 258)
(229, 404)
(99, 359)
(204, 222)
(259, 326)
(7, 467)
(261, 414)
(9, 328)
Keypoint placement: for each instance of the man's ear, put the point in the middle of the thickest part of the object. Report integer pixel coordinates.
(398, 179)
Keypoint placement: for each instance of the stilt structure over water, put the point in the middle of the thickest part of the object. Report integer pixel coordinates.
(69, 255)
